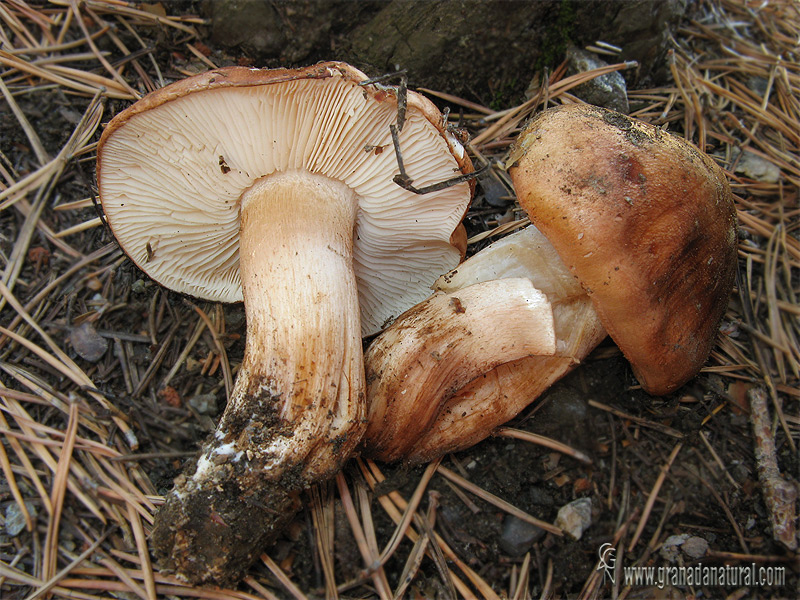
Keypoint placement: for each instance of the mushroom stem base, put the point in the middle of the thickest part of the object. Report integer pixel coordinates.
(212, 532)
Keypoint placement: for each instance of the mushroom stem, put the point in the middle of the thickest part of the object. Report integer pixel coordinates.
(499, 374)
(297, 409)
(440, 345)
(499, 395)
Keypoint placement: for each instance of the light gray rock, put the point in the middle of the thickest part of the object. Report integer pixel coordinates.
(15, 519)
(609, 90)
(574, 518)
(205, 404)
(87, 343)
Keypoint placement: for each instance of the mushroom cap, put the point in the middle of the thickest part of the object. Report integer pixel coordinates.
(172, 167)
(645, 221)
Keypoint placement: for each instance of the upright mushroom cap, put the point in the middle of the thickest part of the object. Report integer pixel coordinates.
(645, 221)
(172, 169)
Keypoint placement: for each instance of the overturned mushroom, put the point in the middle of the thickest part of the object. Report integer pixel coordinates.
(640, 240)
(272, 186)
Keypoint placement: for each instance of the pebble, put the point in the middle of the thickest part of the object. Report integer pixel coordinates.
(691, 545)
(758, 168)
(670, 549)
(575, 517)
(87, 343)
(15, 519)
(205, 404)
(139, 286)
(518, 536)
(607, 90)
(695, 547)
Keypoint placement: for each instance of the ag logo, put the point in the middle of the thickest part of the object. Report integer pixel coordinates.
(608, 560)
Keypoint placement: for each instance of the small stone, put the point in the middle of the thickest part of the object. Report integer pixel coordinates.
(607, 90)
(575, 517)
(758, 168)
(670, 549)
(691, 545)
(757, 84)
(87, 343)
(94, 284)
(139, 286)
(15, 518)
(205, 404)
(695, 547)
(518, 536)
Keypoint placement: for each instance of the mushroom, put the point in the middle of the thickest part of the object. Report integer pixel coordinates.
(640, 241)
(276, 187)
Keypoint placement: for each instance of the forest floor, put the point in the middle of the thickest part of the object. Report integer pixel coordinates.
(108, 382)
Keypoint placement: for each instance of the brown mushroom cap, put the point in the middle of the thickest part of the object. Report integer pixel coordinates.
(645, 221)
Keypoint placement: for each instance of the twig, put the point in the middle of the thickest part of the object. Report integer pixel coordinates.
(402, 527)
(541, 440)
(393, 503)
(725, 508)
(780, 496)
(639, 420)
(281, 576)
(322, 515)
(717, 459)
(53, 581)
(58, 494)
(502, 504)
(368, 552)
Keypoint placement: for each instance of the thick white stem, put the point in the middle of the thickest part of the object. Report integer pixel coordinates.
(499, 395)
(303, 356)
(297, 409)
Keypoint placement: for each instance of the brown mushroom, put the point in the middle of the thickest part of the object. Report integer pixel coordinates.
(437, 347)
(271, 186)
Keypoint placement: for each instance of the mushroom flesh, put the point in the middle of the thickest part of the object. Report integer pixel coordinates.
(414, 421)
